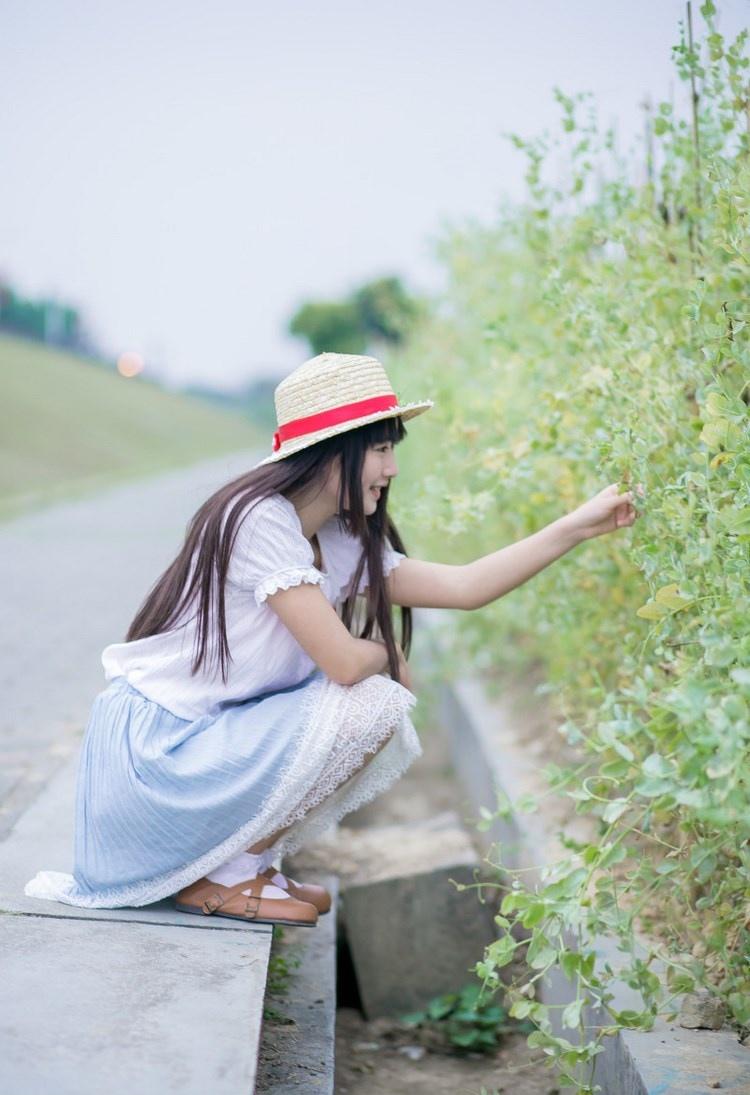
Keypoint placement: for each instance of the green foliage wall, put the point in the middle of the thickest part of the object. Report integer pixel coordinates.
(599, 333)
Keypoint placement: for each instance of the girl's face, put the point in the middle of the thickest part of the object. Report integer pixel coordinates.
(378, 468)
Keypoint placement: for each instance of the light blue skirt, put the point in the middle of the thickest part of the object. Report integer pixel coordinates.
(161, 801)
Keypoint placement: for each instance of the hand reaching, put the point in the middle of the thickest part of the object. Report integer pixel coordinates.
(605, 512)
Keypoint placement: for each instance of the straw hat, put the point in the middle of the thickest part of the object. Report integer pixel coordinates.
(329, 394)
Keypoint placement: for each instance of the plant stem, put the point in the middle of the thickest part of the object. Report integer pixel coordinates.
(696, 131)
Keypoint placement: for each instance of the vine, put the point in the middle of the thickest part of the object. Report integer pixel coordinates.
(600, 333)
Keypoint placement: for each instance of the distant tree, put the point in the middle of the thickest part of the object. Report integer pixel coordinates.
(379, 311)
(46, 320)
(385, 309)
(333, 325)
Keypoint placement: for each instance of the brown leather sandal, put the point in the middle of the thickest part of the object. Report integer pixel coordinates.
(207, 898)
(303, 891)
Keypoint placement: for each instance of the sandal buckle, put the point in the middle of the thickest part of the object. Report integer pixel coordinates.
(251, 907)
(211, 904)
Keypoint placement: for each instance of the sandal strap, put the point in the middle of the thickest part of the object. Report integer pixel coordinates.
(212, 896)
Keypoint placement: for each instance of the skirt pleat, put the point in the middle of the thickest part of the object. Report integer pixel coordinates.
(161, 801)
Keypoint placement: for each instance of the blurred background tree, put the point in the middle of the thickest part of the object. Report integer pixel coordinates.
(329, 325)
(380, 311)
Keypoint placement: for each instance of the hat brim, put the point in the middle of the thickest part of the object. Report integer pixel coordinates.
(406, 411)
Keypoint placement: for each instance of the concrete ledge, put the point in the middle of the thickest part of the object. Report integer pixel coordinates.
(301, 1058)
(146, 999)
(123, 1007)
(668, 1060)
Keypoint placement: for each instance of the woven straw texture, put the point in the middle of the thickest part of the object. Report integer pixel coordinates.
(331, 380)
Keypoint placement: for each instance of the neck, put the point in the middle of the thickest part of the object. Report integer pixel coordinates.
(312, 514)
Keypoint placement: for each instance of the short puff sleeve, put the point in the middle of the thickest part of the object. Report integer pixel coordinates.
(342, 552)
(270, 552)
(391, 559)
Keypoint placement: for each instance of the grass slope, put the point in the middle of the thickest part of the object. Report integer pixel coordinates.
(69, 426)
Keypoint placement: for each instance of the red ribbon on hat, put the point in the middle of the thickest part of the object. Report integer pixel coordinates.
(347, 412)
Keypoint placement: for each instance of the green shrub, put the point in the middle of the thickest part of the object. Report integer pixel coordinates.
(466, 1021)
(599, 333)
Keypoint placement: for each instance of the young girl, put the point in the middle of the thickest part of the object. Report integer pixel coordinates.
(243, 715)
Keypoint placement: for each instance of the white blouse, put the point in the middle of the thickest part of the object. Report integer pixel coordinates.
(270, 552)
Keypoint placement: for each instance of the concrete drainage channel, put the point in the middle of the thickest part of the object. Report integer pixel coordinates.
(406, 934)
(490, 756)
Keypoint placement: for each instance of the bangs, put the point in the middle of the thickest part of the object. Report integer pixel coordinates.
(385, 429)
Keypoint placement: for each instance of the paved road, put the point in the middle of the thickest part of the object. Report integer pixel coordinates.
(72, 578)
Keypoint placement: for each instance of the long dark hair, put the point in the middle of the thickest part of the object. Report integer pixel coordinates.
(200, 569)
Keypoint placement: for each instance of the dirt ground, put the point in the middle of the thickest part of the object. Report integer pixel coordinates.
(376, 1058)
(382, 1056)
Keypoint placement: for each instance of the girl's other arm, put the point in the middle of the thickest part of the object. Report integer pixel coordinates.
(313, 621)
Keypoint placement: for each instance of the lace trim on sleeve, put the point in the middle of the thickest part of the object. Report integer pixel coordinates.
(283, 579)
(390, 562)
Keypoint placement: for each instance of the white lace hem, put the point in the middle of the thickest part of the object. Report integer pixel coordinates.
(284, 579)
(342, 724)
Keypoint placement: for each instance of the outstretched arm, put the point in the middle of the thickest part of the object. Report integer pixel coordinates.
(419, 584)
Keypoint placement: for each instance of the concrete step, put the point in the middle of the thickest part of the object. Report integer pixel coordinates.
(149, 998)
(120, 1006)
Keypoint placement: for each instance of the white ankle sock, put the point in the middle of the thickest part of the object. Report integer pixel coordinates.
(241, 867)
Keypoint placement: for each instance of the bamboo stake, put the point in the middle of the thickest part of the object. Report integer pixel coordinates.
(696, 131)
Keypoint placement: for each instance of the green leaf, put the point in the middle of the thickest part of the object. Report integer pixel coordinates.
(502, 950)
(641, 1020)
(670, 596)
(464, 1038)
(652, 611)
(656, 765)
(540, 952)
(571, 1015)
(653, 787)
(616, 769)
(624, 750)
(721, 433)
(466, 1015)
(735, 520)
(527, 803)
(717, 404)
(540, 1038)
(616, 808)
(613, 853)
(566, 886)
(535, 913)
(441, 1006)
(414, 1018)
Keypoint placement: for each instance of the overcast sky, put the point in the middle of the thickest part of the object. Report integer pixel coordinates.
(189, 173)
